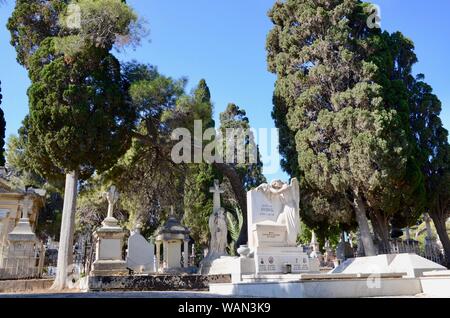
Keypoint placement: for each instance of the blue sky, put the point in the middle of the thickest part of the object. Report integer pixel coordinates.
(224, 42)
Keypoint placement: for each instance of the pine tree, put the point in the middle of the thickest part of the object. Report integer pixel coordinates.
(80, 119)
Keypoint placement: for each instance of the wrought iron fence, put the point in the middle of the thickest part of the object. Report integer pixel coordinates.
(26, 263)
(429, 250)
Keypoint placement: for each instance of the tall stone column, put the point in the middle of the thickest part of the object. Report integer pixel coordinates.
(186, 254)
(158, 256)
(165, 255)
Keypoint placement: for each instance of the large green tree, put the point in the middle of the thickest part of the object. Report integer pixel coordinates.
(394, 56)
(150, 182)
(432, 138)
(80, 118)
(349, 144)
(198, 201)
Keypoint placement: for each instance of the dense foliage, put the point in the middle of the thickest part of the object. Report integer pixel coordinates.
(358, 129)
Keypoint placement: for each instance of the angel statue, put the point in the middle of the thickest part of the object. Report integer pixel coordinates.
(289, 196)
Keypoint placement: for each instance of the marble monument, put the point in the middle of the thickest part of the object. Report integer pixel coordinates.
(109, 242)
(273, 228)
(174, 239)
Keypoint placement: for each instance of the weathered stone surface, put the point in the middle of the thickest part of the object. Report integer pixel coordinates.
(156, 282)
(14, 286)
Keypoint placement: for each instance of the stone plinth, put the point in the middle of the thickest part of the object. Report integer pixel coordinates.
(155, 282)
(271, 260)
(20, 260)
(109, 260)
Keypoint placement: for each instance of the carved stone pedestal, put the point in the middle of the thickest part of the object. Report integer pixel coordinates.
(109, 242)
(109, 260)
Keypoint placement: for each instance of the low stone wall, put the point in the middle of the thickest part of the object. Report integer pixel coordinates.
(156, 282)
(25, 286)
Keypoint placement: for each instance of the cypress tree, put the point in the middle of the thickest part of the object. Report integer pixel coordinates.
(349, 144)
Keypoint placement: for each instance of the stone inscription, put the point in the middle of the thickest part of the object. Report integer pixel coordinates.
(267, 210)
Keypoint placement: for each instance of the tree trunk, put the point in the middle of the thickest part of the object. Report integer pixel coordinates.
(361, 218)
(381, 228)
(241, 197)
(65, 249)
(441, 229)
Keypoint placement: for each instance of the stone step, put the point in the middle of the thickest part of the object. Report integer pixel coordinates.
(315, 277)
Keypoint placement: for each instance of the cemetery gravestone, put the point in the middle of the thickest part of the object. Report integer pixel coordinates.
(273, 227)
(141, 254)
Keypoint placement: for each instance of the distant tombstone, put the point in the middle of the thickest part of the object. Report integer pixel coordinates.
(141, 254)
(344, 250)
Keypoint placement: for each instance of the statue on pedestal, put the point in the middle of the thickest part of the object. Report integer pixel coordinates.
(218, 229)
(219, 232)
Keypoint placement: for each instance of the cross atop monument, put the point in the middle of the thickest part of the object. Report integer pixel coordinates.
(112, 196)
(217, 190)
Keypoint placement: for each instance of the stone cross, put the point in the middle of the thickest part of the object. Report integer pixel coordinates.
(112, 196)
(217, 191)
